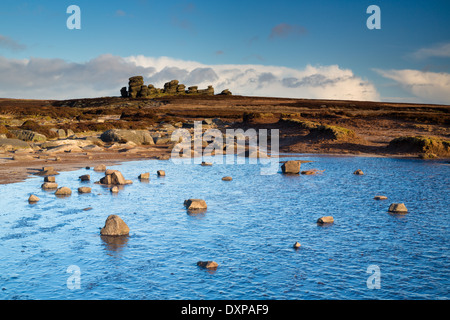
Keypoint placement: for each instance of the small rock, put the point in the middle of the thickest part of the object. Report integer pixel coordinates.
(227, 178)
(84, 190)
(161, 173)
(49, 185)
(63, 191)
(325, 220)
(297, 245)
(206, 164)
(115, 189)
(195, 204)
(398, 208)
(380, 198)
(33, 199)
(115, 226)
(144, 176)
(128, 182)
(85, 177)
(100, 168)
(208, 264)
(358, 172)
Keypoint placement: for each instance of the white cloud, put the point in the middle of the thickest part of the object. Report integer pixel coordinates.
(428, 87)
(106, 74)
(440, 51)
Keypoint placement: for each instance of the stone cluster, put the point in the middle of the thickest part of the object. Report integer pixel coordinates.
(137, 89)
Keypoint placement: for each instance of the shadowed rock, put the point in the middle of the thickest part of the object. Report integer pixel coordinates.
(49, 186)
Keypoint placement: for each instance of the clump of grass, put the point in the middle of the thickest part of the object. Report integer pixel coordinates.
(427, 147)
(303, 124)
(332, 132)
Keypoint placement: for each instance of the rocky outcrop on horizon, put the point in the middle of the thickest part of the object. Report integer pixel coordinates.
(137, 89)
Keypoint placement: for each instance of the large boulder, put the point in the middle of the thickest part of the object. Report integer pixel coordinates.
(291, 167)
(123, 136)
(13, 144)
(115, 226)
(28, 135)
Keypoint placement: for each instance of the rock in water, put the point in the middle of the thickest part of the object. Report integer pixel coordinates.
(380, 198)
(227, 178)
(208, 264)
(49, 185)
(358, 172)
(292, 167)
(144, 176)
(50, 179)
(85, 177)
(63, 191)
(115, 226)
(117, 178)
(325, 220)
(84, 190)
(114, 189)
(297, 245)
(33, 199)
(195, 205)
(161, 173)
(398, 208)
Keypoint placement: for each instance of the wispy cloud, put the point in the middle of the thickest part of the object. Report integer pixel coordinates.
(106, 74)
(10, 44)
(284, 30)
(440, 51)
(427, 87)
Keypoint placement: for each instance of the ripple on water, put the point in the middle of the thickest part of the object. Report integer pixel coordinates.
(249, 229)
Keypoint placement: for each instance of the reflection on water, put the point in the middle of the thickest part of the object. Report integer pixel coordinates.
(249, 229)
(114, 244)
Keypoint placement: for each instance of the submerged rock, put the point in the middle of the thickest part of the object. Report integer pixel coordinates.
(115, 226)
(227, 178)
(380, 198)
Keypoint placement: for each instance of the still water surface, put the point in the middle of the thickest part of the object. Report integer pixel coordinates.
(249, 229)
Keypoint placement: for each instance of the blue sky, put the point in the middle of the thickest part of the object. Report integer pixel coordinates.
(321, 48)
